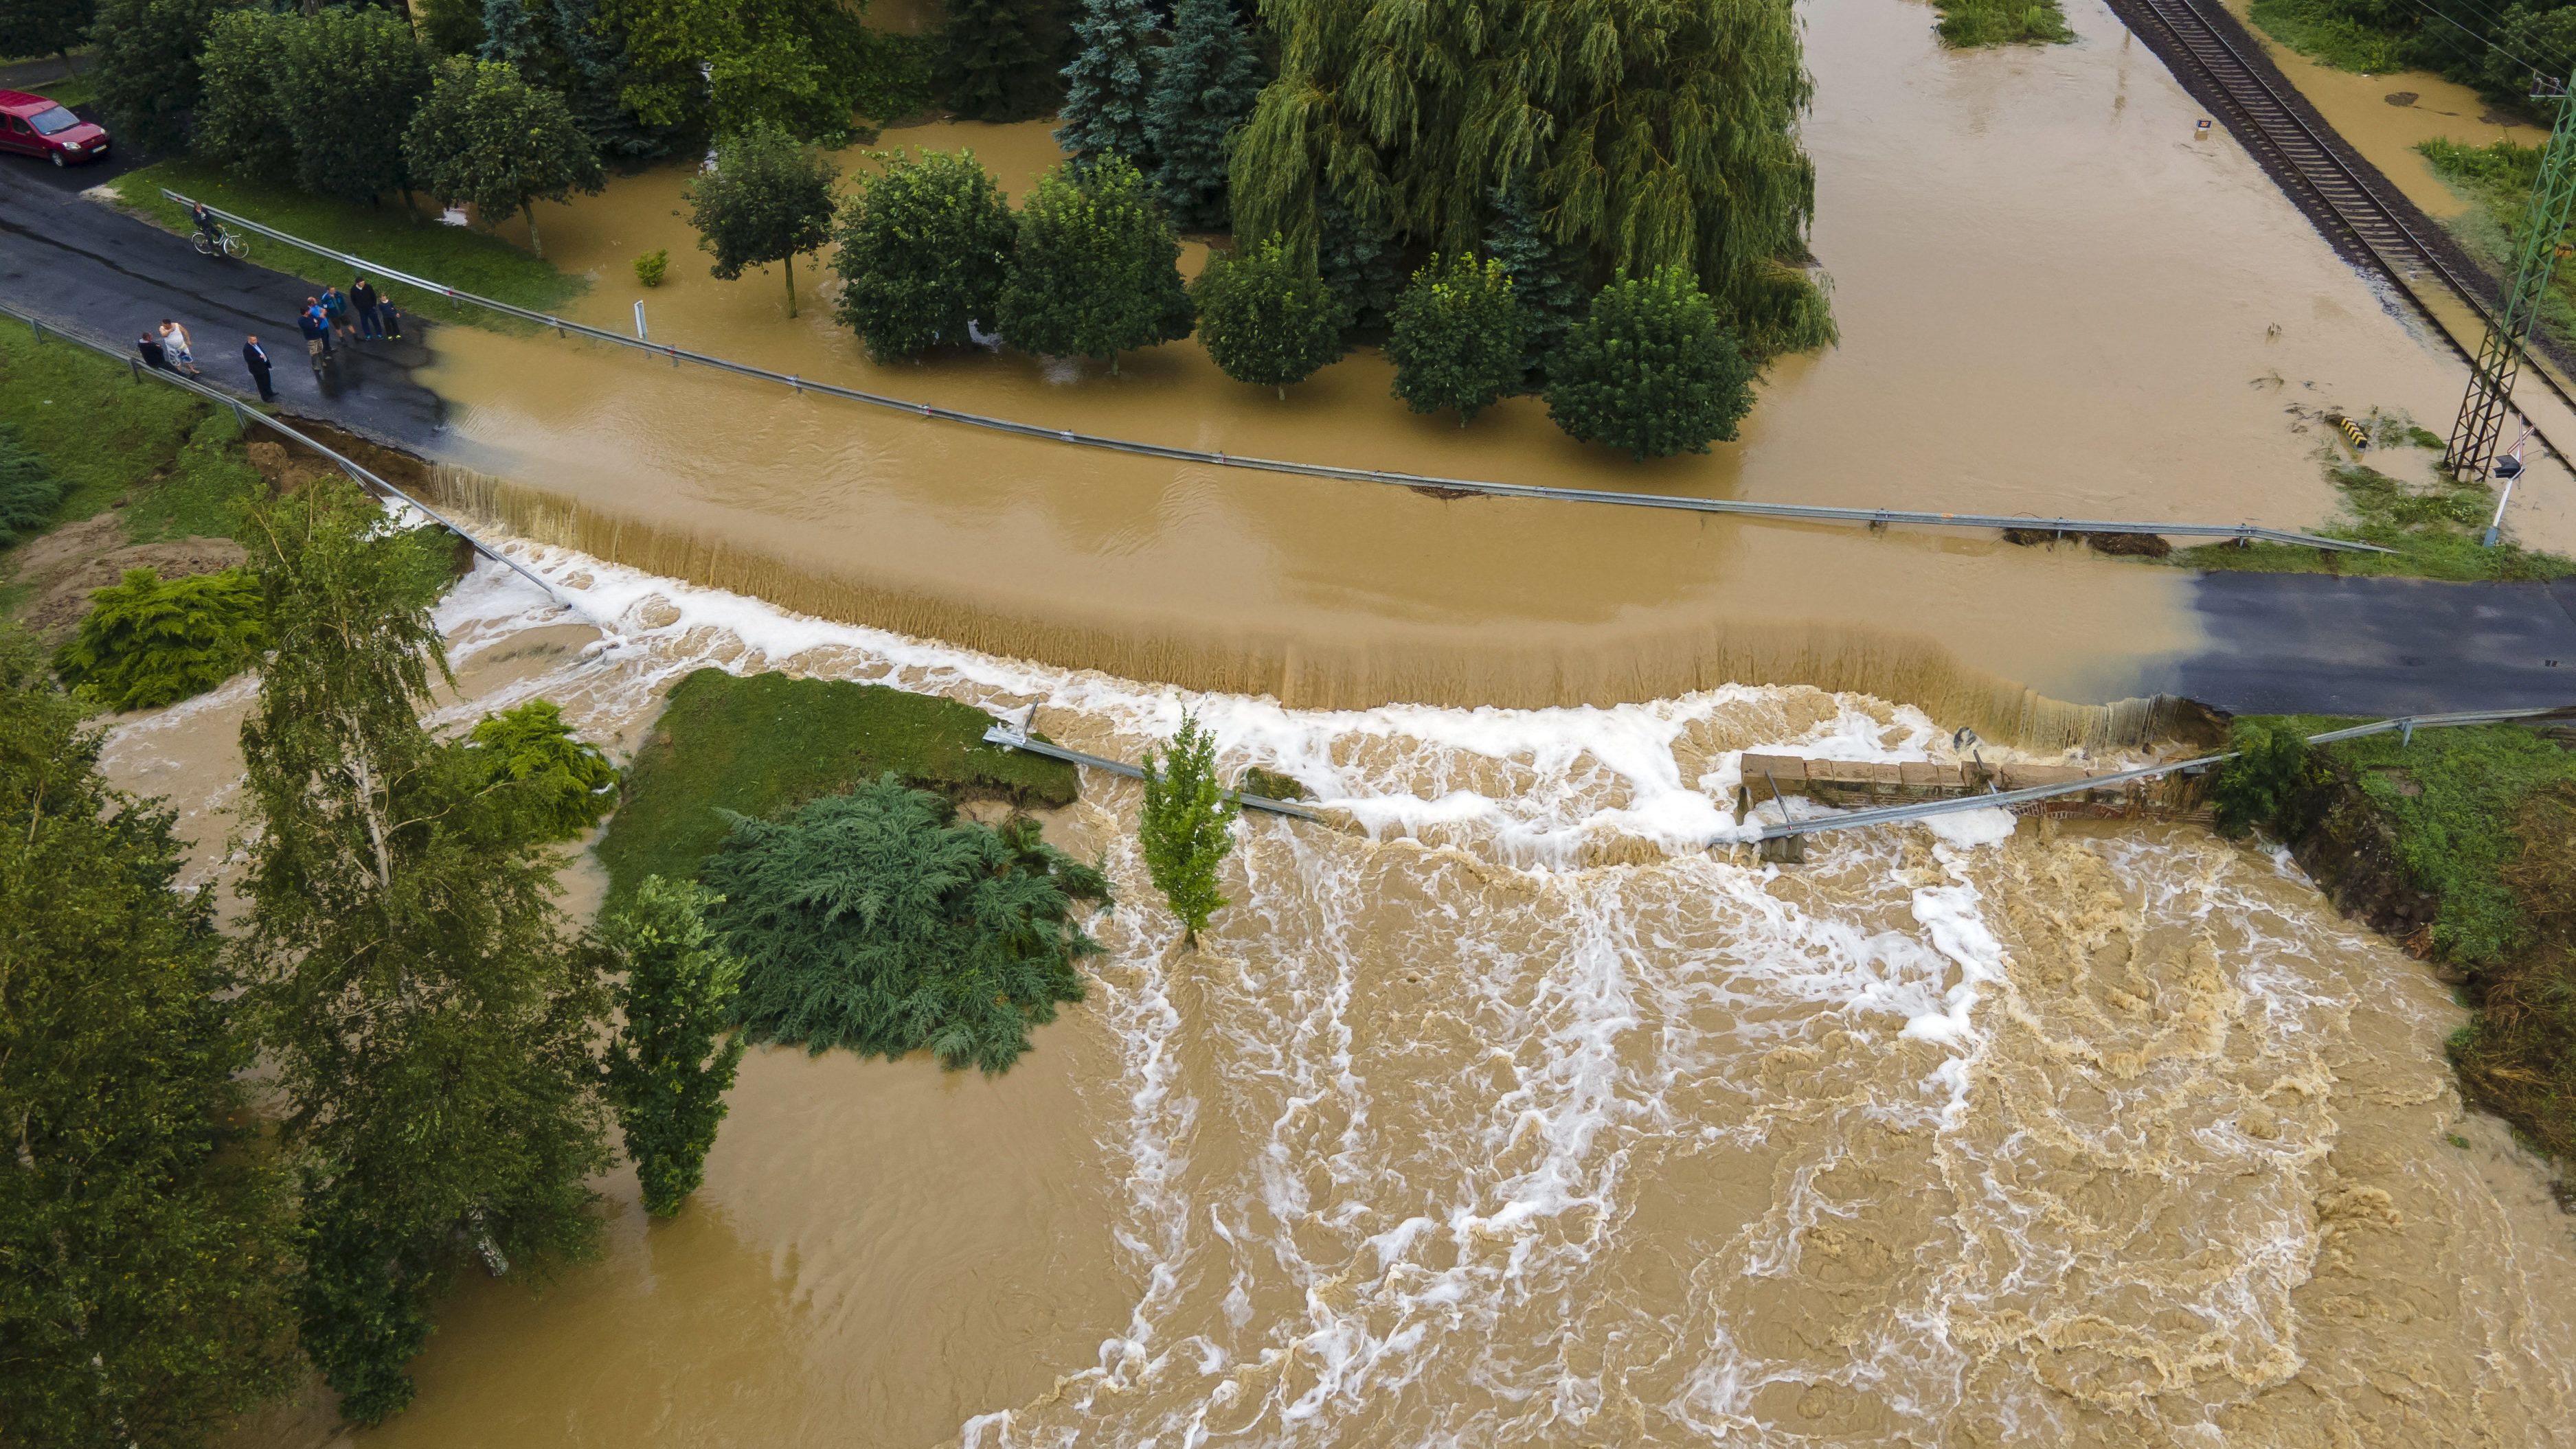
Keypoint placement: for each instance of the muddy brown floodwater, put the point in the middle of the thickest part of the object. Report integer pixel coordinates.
(2053, 300)
(1511, 1117)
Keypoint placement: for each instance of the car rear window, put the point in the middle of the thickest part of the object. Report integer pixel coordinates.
(53, 121)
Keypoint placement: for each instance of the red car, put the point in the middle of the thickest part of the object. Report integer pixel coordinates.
(33, 126)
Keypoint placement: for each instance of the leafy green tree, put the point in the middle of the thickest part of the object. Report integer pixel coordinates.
(1095, 271)
(569, 784)
(236, 124)
(145, 1257)
(925, 249)
(879, 922)
(1457, 339)
(767, 198)
(347, 82)
(29, 491)
(148, 79)
(1547, 275)
(486, 136)
(44, 27)
(1650, 369)
(802, 66)
(430, 1030)
(1208, 82)
(1110, 83)
(998, 60)
(1650, 135)
(149, 641)
(2269, 770)
(667, 1070)
(449, 27)
(1188, 826)
(1265, 317)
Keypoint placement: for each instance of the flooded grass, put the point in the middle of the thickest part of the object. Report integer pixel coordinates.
(1971, 24)
(756, 745)
(387, 233)
(2315, 29)
(2496, 180)
(2437, 532)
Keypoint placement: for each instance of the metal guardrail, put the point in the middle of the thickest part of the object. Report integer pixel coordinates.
(245, 415)
(1009, 738)
(1799, 512)
(2005, 799)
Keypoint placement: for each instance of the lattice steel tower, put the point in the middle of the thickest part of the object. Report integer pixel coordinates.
(2482, 409)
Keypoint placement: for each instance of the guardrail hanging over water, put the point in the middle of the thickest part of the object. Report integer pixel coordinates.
(1792, 512)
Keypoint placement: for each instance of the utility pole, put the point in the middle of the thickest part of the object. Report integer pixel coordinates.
(2481, 422)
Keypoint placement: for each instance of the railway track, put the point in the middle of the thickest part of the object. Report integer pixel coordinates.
(2360, 223)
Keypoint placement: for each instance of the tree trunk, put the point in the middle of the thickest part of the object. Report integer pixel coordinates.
(791, 286)
(529, 210)
(1282, 391)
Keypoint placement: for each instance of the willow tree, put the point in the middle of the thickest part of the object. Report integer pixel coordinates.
(1649, 133)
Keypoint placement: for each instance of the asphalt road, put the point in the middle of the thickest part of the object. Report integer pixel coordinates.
(2277, 643)
(90, 269)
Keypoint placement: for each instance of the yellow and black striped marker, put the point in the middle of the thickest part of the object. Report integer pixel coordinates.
(2352, 430)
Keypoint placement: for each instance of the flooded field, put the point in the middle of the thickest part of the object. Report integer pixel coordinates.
(1512, 1117)
(2053, 300)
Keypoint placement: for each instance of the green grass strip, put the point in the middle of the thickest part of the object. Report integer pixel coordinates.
(762, 744)
(1970, 24)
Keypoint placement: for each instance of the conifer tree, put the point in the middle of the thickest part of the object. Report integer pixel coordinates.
(1265, 317)
(667, 1071)
(1650, 369)
(430, 1030)
(1210, 78)
(1360, 262)
(997, 60)
(1187, 829)
(1095, 271)
(925, 249)
(1109, 85)
(1457, 340)
(1547, 275)
(146, 1289)
(510, 36)
(767, 198)
(594, 79)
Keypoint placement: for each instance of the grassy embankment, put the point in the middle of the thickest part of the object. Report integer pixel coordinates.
(176, 460)
(2483, 822)
(1968, 24)
(386, 233)
(2437, 530)
(2317, 31)
(764, 743)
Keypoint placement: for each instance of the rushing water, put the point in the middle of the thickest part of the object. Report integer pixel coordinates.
(2054, 299)
(1508, 1116)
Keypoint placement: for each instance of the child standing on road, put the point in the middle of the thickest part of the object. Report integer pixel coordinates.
(387, 317)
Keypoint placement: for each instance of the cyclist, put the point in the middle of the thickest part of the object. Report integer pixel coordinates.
(207, 227)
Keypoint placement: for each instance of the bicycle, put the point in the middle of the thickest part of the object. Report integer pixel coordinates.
(227, 243)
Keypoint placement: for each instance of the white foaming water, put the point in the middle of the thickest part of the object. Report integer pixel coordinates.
(1484, 1127)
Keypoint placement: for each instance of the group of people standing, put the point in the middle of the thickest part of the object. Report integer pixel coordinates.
(365, 312)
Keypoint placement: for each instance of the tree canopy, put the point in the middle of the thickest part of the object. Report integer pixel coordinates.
(346, 82)
(925, 250)
(1095, 271)
(806, 67)
(880, 922)
(1458, 338)
(487, 137)
(667, 1069)
(1110, 83)
(1650, 369)
(145, 1257)
(148, 641)
(1187, 829)
(148, 79)
(1266, 317)
(767, 198)
(1209, 79)
(1000, 60)
(1666, 137)
(44, 27)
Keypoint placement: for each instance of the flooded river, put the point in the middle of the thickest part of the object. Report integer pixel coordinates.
(2053, 299)
(1511, 1117)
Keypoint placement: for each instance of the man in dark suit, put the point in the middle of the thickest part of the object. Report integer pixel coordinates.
(255, 357)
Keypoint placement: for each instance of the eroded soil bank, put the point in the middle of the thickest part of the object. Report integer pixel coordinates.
(2053, 300)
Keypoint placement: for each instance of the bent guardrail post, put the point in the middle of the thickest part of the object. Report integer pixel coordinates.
(1011, 739)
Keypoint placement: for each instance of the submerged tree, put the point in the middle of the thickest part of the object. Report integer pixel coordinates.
(1458, 336)
(1110, 84)
(925, 249)
(1265, 317)
(563, 779)
(145, 1255)
(430, 1031)
(1547, 275)
(487, 137)
(667, 1070)
(1650, 369)
(1187, 829)
(1095, 271)
(879, 922)
(2267, 774)
(1209, 80)
(767, 198)
(1652, 133)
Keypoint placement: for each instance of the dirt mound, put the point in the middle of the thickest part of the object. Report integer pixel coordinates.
(66, 566)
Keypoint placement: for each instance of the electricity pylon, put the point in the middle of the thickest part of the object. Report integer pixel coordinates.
(2482, 409)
